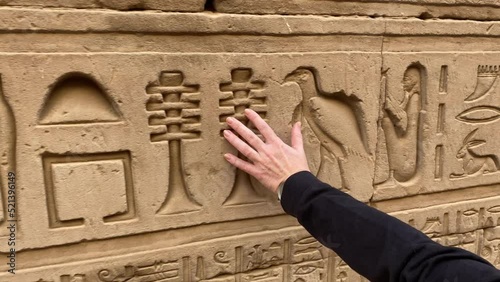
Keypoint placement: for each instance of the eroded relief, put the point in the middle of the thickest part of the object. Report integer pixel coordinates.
(174, 115)
(297, 260)
(344, 144)
(157, 271)
(67, 278)
(7, 158)
(471, 225)
(401, 124)
(242, 93)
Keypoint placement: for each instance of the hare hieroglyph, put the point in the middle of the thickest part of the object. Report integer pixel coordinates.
(474, 163)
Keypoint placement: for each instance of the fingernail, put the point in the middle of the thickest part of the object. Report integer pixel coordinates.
(299, 124)
(229, 120)
(227, 156)
(226, 133)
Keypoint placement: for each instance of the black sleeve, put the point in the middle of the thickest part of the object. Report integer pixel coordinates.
(374, 244)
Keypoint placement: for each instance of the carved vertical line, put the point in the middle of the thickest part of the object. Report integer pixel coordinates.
(446, 224)
(200, 269)
(479, 242)
(330, 267)
(186, 269)
(443, 80)
(287, 261)
(238, 264)
(7, 151)
(438, 171)
(483, 221)
(441, 118)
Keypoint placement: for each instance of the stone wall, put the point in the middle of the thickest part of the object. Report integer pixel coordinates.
(111, 115)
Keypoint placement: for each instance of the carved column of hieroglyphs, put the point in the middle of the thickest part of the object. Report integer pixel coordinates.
(479, 114)
(439, 153)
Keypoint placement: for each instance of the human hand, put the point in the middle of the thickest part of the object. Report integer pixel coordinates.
(271, 161)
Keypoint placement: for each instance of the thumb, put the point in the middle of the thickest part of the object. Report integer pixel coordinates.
(297, 142)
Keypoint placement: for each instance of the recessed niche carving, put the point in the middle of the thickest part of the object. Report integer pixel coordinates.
(76, 98)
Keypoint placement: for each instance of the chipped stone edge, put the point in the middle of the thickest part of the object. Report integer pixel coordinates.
(14, 20)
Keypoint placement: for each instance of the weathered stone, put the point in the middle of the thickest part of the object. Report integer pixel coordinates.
(125, 5)
(426, 9)
(112, 123)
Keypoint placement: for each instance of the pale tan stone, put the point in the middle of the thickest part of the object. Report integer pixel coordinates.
(112, 122)
(127, 5)
(457, 9)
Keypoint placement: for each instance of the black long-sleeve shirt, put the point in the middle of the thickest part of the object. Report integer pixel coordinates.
(374, 244)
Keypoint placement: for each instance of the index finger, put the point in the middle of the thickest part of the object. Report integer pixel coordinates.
(261, 125)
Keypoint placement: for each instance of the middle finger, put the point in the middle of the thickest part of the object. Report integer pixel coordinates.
(246, 133)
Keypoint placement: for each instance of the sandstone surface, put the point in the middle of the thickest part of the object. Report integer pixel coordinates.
(111, 122)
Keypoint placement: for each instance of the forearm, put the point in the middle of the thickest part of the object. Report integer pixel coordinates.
(376, 245)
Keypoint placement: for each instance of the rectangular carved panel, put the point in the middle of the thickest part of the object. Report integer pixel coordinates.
(157, 164)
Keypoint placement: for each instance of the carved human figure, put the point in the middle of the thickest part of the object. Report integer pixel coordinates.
(401, 127)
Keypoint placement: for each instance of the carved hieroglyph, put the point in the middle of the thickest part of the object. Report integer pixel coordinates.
(112, 122)
(236, 96)
(95, 182)
(441, 149)
(68, 100)
(401, 123)
(174, 115)
(346, 143)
